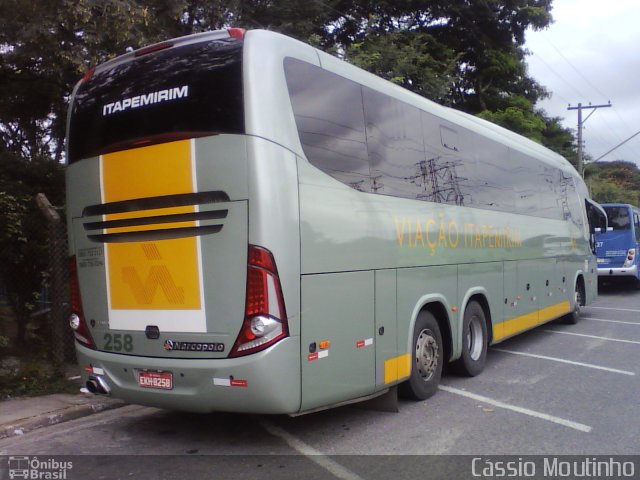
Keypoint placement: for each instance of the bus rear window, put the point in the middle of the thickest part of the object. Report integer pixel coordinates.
(619, 217)
(182, 92)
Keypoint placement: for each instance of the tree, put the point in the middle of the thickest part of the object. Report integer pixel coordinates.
(519, 117)
(559, 139)
(490, 36)
(614, 182)
(465, 53)
(46, 47)
(23, 232)
(413, 60)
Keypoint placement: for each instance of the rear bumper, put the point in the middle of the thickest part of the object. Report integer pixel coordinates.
(618, 272)
(265, 382)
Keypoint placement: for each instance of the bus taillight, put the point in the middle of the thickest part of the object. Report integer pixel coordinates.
(237, 33)
(76, 319)
(87, 76)
(265, 320)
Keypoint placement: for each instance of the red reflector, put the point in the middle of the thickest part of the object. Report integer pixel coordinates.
(153, 48)
(237, 33)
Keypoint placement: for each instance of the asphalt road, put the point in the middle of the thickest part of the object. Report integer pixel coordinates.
(556, 390)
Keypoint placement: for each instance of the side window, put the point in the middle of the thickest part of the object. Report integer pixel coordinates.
(395, 145)
(375, 143)
(574, 204)
(536, 186)
(551, 202)
(636, 221)
(330, 120)
(492, 186)
(449, 138)
(565, 186)
(526, 181)
(447, 169)
(618, 218)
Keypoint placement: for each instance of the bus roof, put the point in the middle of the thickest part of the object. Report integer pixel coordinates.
(261, 44)
(172, 42)
(267, 42)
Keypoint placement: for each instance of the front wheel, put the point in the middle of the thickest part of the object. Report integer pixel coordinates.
(579, 300)
(426, 357)
(474, 341)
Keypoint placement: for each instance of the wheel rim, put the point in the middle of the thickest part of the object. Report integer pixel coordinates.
(578, 300)
(427, 354)
(475, 338)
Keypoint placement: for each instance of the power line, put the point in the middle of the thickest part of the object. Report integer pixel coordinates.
(576, 70)
(619, 145)
(550, 68)
(612, 131)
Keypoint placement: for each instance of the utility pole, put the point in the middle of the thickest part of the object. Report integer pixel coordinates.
(581, 122)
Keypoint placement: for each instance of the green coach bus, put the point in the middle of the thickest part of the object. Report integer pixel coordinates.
(257, 226)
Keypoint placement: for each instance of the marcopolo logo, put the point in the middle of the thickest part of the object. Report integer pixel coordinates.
(138, 101)
(38, 468)
(170, 345)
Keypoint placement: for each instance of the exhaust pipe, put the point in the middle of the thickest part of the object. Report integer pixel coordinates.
(98, 386)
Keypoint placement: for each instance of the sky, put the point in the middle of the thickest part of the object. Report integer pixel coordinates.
(591, 54)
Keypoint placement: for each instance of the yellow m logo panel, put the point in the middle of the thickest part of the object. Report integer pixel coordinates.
(155, 282)
(144, 293)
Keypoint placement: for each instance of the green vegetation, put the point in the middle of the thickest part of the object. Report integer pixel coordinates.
(27, 376)
(25, 362)
(23, 231)
(28, 369)
(614, 182)
(468, 55)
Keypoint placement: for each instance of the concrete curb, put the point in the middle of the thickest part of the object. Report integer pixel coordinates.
(26, 425)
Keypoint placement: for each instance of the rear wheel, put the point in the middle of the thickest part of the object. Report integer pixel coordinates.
(474, 341)
(426, 358)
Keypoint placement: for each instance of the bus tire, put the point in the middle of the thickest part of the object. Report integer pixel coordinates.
(426, 359)
(573, 317)
(474, 341)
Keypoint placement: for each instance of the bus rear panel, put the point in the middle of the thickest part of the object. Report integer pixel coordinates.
(175, 307)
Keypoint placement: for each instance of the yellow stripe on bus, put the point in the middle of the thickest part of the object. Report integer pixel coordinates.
(160, 274)
(397, 368)
(530, 320)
